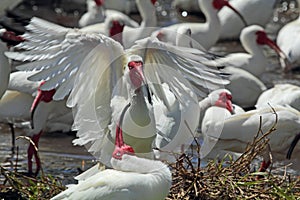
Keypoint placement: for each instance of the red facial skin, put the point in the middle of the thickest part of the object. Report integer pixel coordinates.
(224, 101)
(153, 1)
(11, 38)
(116, 30)
(136, 73)
(99, 2)
(262, 39)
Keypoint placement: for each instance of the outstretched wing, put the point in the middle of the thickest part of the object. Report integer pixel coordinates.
(160, 57)
(87, 64)
(59, 53)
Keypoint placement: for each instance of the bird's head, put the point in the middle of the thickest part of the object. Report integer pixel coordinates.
(42, 96)
(153, 1)
(219, 4)
(99, 2)
(116, 27)
(224, 101)
(10, 37)
(136, 73)
(263, 39)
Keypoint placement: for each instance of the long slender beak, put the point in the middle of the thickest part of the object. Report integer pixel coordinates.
(144, 85)
(228, 103)
(285, 64)
(237, 12)
(34, 105)
(45, 96)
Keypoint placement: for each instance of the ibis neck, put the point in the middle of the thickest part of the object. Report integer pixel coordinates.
(210, 29)
(139, 109)
(204, 105)
(4, 69)
(251, 46)
(210, 13)
(148, 13)
(139, 127)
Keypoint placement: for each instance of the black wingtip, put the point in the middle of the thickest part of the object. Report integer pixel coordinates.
(293, 144)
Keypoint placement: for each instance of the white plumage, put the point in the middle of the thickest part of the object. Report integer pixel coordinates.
(257, 12)
(131, 177)
(206, 34)
(96, 14)
(280, 94)
(92, 67)
(289, 41)
(4, 69)
(254, 60)
(225, 132)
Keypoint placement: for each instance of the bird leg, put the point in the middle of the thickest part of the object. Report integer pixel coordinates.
(13, 138)
(33, 152)
(267, 161)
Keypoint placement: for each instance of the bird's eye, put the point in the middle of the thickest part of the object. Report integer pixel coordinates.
(131, 65)
(118, 153)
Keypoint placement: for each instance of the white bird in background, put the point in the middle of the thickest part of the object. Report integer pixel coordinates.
(206, 34)
(245, 87)
(96, 13)
(129, 34)
(253, 38)
(280, 94)
(288, 40)
(18, 104)
(257, 12)
(92, 67)
(5, 68)
(147, 26)
(131, 177)
(225, 132)
(214, 98)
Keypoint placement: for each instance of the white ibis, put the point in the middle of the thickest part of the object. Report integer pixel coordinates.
(129, 34)
(95, 13)
(280, 94)
(225, 132)
(19, 104)
(132, 177)
(257, 12)
(11, 39)
(288, 40)
(214, 99)
(104, 79)
(253, 39)
(206, 34)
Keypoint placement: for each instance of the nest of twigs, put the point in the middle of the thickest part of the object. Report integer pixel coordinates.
(233, 181)
(18, 186)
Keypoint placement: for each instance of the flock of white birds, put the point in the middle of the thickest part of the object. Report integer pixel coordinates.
(138, 94)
